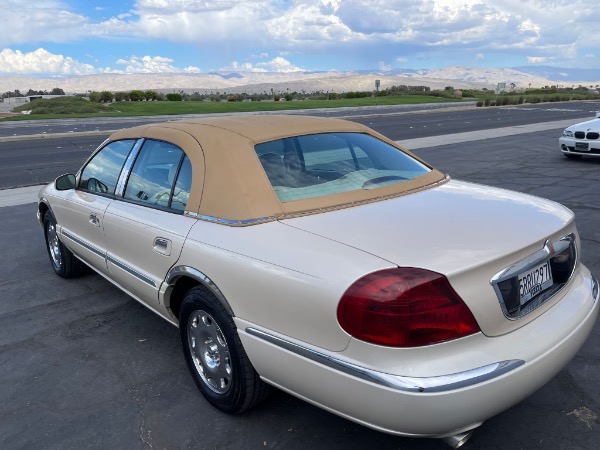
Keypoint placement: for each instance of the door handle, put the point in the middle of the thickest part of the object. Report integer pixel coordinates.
(162, 246)
(94, 219)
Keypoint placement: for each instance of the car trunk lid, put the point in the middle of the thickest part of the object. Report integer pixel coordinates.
(467, 232)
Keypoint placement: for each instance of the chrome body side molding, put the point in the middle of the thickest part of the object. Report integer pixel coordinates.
(441, 383)
(131, 271)
(103, 254)
(83, 243)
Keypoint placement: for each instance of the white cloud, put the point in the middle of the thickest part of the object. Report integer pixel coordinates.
(277, 64)
(47, 20)
(41, 61)
(364, 31)
(151, 64)
(536, 59)
(198, 22)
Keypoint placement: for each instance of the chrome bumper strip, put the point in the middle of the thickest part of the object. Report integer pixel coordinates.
(440, 383)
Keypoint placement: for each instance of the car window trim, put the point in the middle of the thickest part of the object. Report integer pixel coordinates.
(126, 169)
(148, 205)
(126, 172)
(176, 177)
(93, 155)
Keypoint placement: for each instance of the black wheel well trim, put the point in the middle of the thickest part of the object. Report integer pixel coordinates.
(178, 272)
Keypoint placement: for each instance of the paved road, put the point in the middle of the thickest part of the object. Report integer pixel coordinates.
(27, 161)
(401, 120)
(32, 127)
(83, 365)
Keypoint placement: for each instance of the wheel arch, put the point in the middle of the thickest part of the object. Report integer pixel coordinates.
(181, 279)
(43, 208)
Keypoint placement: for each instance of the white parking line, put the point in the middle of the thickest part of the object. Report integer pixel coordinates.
(22, 196)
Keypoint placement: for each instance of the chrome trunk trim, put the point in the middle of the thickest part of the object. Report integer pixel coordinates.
(548, 252)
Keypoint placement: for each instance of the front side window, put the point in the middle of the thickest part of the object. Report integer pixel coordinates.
(330, 163)
(161, 176)
(101, 173)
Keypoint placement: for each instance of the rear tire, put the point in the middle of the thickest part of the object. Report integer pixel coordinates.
(215, 355)
(64, 263)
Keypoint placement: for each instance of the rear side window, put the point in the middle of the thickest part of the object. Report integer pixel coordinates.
(161, 176)
(330, 163)
(101, 173)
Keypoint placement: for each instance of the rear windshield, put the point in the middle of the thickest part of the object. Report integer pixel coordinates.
(330, 163)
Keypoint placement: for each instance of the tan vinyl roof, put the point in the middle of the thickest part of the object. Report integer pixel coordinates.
(229, 182)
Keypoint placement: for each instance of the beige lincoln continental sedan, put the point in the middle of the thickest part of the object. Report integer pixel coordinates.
(317, 256)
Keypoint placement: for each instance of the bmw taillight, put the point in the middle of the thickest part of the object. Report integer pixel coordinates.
(404, 307)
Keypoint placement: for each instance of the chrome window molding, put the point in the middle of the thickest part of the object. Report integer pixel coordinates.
(126, 170)
(549, 250)
(258, 220)
(230, 222)
(441, 383)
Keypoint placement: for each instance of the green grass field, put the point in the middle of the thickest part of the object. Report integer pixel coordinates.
(62, 107)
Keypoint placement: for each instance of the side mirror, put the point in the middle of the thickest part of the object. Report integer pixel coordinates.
(65, 182)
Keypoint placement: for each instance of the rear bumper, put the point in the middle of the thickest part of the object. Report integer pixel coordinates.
(503, 370)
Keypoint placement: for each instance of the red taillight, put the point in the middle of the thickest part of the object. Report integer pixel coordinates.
(404, 307)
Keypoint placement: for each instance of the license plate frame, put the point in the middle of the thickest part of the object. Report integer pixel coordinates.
(582, 146)
(534, 281)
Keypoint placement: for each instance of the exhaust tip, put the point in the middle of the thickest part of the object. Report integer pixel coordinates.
(458, 440)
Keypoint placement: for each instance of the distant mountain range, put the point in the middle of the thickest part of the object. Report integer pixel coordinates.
(359, 80)
(591, 76)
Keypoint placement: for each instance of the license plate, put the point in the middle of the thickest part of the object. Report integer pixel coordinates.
(534, 281)
(584, 146)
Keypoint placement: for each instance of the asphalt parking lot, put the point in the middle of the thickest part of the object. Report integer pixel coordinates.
(84, 366)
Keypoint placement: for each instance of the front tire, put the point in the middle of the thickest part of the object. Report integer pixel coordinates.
(64, 263)
(215, 356)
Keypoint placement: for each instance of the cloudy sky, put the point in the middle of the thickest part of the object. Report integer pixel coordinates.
(71, 37)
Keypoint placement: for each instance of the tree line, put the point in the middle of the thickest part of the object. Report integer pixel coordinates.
(31, 92)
